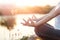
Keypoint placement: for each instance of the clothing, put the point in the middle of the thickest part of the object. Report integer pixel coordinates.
(46, 32)
(57, 22)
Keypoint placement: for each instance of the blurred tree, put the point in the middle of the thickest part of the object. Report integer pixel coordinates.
(7, 22)
(24, 38)
(0, 14)
(47, 9)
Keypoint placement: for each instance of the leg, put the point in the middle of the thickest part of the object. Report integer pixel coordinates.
(47, 32)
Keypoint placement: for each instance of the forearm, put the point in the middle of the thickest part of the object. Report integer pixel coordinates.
(54, 12)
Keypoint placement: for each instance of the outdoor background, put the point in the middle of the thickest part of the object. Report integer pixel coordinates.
(20, 9)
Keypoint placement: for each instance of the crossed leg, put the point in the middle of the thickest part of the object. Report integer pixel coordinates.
(47, 32)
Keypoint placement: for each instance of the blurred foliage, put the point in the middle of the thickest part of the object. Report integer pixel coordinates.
(7, 21)
(47, 9)
(35, 9)
(24, 38)
(0, 14)
(30, 38)
(29, 9)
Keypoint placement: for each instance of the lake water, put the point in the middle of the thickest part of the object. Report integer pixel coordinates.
(20, 30)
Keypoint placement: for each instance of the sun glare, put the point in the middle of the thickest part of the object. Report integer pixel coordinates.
(23, 3)
(25, 30)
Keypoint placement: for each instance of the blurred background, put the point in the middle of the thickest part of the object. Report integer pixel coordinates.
(19, 9)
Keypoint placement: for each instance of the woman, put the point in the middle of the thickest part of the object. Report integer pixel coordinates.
(44, 30)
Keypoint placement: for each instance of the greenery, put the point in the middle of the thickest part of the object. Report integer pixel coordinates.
(25, 38)
(7, 22)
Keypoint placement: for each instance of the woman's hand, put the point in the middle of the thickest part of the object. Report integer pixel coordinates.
(30, 21)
